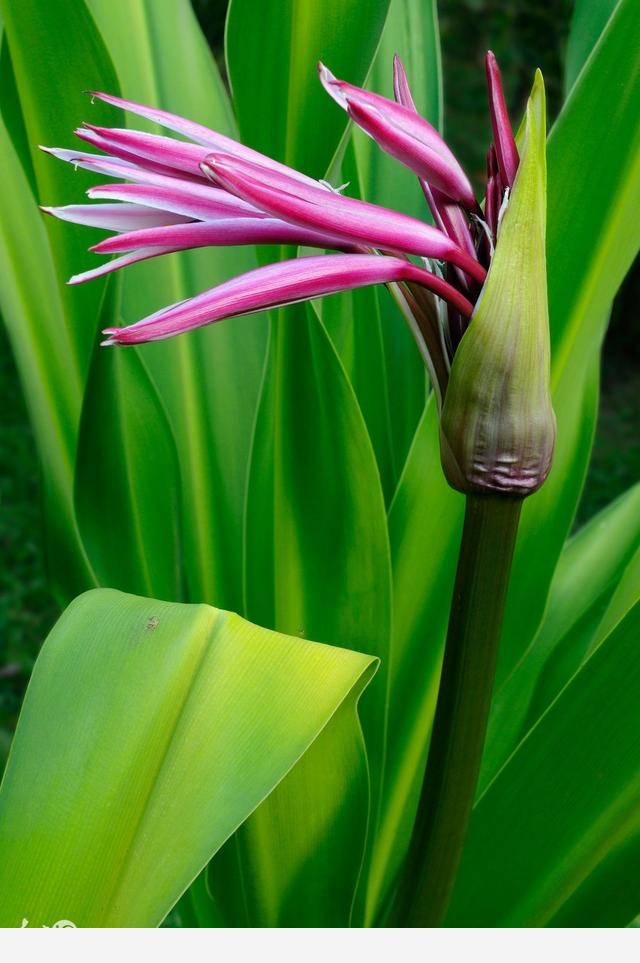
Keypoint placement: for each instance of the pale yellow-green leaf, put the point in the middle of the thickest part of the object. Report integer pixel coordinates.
(150, 731)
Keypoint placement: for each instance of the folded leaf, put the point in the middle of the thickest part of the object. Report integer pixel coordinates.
(149, 733)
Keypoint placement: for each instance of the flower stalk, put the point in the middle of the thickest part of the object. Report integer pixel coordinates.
(464, 699)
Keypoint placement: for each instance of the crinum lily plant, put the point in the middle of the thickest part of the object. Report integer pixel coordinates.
(220, 718)
(311, 761)
(474, 295)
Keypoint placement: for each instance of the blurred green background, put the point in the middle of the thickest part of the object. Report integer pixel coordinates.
(523, 34)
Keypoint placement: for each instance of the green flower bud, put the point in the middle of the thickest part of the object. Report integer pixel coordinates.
(497, 430)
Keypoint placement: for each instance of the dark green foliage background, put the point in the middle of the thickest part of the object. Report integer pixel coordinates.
(523, 34)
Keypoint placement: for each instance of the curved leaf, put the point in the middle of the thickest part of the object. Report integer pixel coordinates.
(318, 565)
(296, 861)
(590, 567)
(127, 485)
(41, 38)
(34, 316)
(138, 754)
(626, 595)
(588, 22)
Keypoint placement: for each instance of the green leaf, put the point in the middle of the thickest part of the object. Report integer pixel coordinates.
(138, 754)
(41, 39)
(317, 566)
(12, 115)
(314, 815)
(50, 327)
(272, 51)
(423, 563)
(626, 595)
(588, 22)
(590, 568)
(34, 317)
(207, 380)
(127, 485)
(559, 827)
(317, 553)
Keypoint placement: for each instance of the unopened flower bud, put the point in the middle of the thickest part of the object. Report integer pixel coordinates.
(498, 427)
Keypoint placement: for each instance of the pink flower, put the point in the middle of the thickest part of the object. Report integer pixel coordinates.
(208, 189)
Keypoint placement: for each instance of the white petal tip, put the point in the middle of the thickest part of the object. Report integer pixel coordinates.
(108, 342)
(208, 168)
(332, 85)
(325, 74)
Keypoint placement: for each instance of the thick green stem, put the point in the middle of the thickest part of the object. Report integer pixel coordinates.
(464, 697)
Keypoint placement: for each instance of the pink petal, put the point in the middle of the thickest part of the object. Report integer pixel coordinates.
(278, 284)
(227, 231)
(114, 217)
(201, 202)
(506, 150)
(92, 161)
(165, 155)
(187, 194)
(200, 134)
(401, 89)
(493, 199)
(447, 215)
(119, 262)
(401, 132)
(323, 210)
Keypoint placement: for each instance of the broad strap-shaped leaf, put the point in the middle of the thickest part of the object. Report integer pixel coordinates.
(423, 561)
(588, 22)
(626, 595)
(282, 878)
(559, 827)
(33, 313)
(316, 540)
(42, 39)
(127, 484)
(149, 733)
(272, 50)
(589, 571)
(318, 566)
(209, 380)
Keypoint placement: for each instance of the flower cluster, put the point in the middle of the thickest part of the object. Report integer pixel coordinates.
(206, 189)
